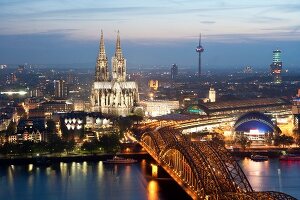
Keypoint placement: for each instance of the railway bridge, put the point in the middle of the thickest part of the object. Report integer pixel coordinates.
(204, 169)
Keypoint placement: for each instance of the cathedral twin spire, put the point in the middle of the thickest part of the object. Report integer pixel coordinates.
(102, 47)
(118, 63)
(118, 52)
(102, 73)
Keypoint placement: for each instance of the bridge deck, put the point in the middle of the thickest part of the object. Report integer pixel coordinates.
(205, 170)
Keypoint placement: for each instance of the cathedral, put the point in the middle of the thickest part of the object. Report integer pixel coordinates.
(113, 94)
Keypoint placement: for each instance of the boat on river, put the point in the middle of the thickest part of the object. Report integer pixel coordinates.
(120, 160)
(259, 158)
(290, 157)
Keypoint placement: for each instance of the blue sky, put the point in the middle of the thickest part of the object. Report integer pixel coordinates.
(235, 32)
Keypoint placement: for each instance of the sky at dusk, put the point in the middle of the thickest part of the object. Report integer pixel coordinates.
(156, 32)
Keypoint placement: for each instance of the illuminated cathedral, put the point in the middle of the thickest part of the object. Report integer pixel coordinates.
(113, 94)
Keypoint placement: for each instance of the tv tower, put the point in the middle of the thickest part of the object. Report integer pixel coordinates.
(199, 50)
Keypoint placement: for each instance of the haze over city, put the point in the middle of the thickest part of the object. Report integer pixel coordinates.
(149, 100)
(235, 33)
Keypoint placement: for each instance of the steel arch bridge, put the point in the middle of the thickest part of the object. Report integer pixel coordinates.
(205, 170)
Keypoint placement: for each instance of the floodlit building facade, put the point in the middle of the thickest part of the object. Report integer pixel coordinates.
(113, 94)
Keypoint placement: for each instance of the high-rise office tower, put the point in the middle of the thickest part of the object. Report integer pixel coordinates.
(60, 89)
(199, 50)
(276, 66)
(174, 71)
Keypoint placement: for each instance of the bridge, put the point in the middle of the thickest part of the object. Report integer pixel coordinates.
(204, 169)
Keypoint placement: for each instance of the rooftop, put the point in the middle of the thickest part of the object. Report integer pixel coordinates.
(242, 104)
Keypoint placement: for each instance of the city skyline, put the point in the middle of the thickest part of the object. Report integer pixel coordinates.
(49, 29)
(114, 99)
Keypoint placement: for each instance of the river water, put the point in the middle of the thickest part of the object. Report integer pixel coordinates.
(273, 175)
(80, 181)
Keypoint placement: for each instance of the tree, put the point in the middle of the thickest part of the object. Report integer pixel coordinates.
(139, 112)
(110, 143)
(243, 141)
(25, 147)
(124, 124)
(90, 146)
(69, 145)
(6, 148)
(55, 144)
(40, 147)
(136, 118)
(2, 137)
(283, 140)
(51, 127)
(297, 141)
(21, 111)
(12, 127)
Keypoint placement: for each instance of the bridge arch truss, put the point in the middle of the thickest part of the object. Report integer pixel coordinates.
(205, 170)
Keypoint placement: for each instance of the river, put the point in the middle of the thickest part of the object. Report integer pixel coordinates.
(95, 180)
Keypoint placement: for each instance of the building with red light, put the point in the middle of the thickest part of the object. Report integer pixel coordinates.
(276, 66)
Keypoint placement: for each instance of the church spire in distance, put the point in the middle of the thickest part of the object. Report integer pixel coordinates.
(118, 52)
(102, 53)
(118, 62)
(102, 63)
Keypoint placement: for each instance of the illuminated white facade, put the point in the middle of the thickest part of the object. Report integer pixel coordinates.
(90, 122)
(158, 108)
(34, 137)
(116, 96)
(212, 95)
(255, 135)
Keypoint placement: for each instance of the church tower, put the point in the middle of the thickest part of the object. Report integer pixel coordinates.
(118, 63)
(113, 95)
(102, 73)
(212, 94)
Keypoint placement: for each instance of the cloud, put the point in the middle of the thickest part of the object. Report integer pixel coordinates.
(265, 19)
(290, 7)
(16, 2)
(81, 19)
(80, 11)
(208, 22)
(254, 37)
(151, 19)
(294, 28)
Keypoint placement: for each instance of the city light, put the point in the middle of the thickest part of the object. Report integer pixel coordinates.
(157, 111)
(10, 93)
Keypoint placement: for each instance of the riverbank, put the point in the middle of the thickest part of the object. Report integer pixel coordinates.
(271, 153)
(54, 158)
(17, 160)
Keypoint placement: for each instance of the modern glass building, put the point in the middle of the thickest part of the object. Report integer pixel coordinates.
(276, 66)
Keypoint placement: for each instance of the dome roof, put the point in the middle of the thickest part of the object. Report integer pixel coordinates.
(254, 121)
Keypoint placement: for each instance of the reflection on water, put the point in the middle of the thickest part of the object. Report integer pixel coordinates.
(273, 175)
(153, 190)
(85, 180)
(72, 181)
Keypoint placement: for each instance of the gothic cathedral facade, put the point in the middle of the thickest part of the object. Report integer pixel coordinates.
(113, 94)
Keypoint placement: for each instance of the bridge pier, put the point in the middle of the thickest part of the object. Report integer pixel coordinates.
(205, 170)
(154, 170)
